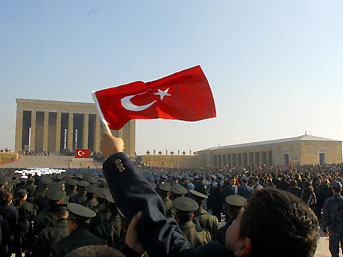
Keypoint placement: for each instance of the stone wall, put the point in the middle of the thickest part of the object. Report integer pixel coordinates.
(7, 157)
(171, 161)
(311, 150)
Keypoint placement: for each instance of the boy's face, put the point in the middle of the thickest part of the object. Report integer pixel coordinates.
(232, 241)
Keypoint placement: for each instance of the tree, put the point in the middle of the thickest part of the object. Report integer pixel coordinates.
(172, 152)
(160, 152)
(148, 152)
(183, 152)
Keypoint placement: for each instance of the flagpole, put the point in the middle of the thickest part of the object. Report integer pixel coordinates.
(102, 118)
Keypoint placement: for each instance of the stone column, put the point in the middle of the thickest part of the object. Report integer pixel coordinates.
(58, 132)
(19, 129)
(85, 131)
(45, 131)
(70, 131)
(33, 131)
(97, 134)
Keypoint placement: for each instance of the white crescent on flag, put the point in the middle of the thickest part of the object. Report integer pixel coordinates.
(80, 153)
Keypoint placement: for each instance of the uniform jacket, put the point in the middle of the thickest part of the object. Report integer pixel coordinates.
(161, 236)
(245, 191)
(333, 214)
(194, 234)
(76, 239)
(206, 221)
(48, 236)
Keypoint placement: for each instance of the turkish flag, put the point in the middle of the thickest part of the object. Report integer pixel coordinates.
(82, 153)
(185, 95)
(291, 165)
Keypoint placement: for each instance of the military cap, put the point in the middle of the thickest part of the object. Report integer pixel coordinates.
(101, 193)
(337, 185)
(71, 182)
(21, 193)
(79, 212)
(165, 187)
(55, 192)
(91, 188)
(58, 207)
(219, 175)
(185, 204)
(91, 179)
(244, 178)
(83, 183)
(196, 177)
(178, 189)
(109, 198)
(236, 200)
(78, 175)
(59, 177)
(101, 179)
(213, 176)
(197, 194)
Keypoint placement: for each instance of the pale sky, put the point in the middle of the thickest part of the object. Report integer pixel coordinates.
(274, 67)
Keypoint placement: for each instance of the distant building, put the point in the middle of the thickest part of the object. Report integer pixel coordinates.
(304, 149)
(56, 126)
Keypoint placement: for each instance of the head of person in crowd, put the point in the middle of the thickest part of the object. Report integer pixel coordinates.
(79, 216)
(59, 212)
(164, 190)
(274, 223)
(91, 191)
(185, 208)
(233, 204)
(111, 205)
(71, 185)
(82, 187)
(244, 180)
(177, 191)
(55, 194)
(336, 187)
(20, 196)
(6, 197)
(95, 251)
(198, 197)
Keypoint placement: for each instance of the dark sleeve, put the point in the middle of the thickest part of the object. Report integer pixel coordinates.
(133, 193)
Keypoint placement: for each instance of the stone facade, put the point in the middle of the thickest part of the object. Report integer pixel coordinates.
(56, 126)
(170, 161)
(7, 157)
(305, 149)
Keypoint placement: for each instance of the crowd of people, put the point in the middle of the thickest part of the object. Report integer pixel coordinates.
(51, 215)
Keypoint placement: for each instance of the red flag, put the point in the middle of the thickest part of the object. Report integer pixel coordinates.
(185, 95)
(82, 153)
(291, 165)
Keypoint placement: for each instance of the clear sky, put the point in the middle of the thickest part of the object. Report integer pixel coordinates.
(275, 67)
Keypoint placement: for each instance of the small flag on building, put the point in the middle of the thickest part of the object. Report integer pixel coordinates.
(82, 153)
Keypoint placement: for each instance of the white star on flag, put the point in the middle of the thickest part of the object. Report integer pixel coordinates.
(162, 93)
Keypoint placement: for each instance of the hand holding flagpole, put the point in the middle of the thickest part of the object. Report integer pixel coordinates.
(102, 118)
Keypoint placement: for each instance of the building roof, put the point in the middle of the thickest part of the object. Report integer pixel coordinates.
(277, 141)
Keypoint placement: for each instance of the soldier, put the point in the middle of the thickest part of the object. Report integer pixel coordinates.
(176, 192)
(44, 219)
(79, 218)
(50, 235)
(10, 214)
(80, 197)
(245, 190)
(110, 229)
(232, 206)
(231, 188)
(71, 187)
(164, 191)
(91, 202)
(202, 217)
(185, 207)
(24, 232)
(333, 219)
